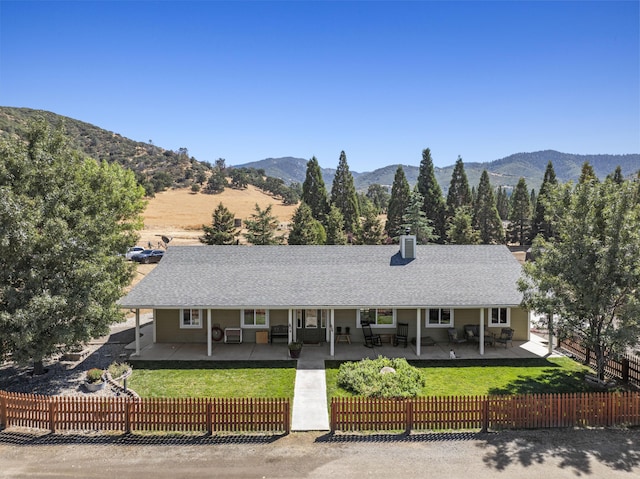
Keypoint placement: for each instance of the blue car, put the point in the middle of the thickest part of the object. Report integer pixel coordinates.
(148, 256)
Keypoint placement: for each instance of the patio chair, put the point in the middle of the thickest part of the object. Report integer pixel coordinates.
(370, 339)
(402, 333)
(453, 337)
(506, 336)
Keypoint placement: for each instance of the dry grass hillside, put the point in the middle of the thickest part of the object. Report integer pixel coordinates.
(180, 214)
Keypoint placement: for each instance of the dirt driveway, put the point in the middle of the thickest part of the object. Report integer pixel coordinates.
(539, 454)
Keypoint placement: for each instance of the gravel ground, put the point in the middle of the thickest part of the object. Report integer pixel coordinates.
(66, 378)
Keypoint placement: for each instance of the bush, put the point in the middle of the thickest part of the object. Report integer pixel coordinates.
(94, 375)
(118, 369)
(365, 378)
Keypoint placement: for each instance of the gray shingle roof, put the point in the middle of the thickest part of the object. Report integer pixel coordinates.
(329, 276)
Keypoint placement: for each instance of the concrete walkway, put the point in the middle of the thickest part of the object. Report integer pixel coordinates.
(310, 411)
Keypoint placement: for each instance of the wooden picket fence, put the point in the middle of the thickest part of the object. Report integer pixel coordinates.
(625, 368)
(486, 412)
(210, 415)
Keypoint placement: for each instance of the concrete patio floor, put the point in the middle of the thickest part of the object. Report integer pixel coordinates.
(534, 348)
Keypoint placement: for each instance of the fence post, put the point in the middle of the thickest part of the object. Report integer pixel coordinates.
(127, 417)
(52, 415)
(625, 370)
(3, 410)
(209, 417)
(409, 415)
(485, 415)
(287, 416)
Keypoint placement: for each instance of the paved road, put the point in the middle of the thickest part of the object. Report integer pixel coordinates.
(527, 454)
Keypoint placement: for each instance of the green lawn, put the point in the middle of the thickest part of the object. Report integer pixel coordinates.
(471, 377)
(208, 379)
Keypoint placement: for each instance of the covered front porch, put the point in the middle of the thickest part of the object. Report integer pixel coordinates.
(149, 351)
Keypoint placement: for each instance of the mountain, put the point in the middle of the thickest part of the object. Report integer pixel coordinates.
(503, 172)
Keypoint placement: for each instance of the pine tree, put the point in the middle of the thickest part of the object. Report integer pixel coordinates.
(372, 230)
(343, 195)
(485, 215)
(459, 192)
(314, 191)
(533, 198)
(541, 226)
(520, 214)
(461, 229)
(305, 229)
(261, 227)
(587, 174)
(502, 203)
(335, 227)
(617, 177)
(415, 220)
(400, 197)
(222, 229)
(428, 186)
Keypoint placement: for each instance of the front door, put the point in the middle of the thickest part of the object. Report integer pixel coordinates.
(311, 325)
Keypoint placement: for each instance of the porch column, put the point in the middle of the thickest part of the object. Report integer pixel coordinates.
(290, 324)
(209, 332)
(418, 340)
(137, 331)
(332, 335)
(481, 331)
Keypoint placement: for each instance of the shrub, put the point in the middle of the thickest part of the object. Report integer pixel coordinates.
(118, 369)
(365, 378)
(94, 375)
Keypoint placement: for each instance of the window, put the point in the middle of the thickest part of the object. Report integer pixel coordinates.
(311, 318)
(377, 317)
(255, 318)
(190, 318)
(438, 317)
(500, 317)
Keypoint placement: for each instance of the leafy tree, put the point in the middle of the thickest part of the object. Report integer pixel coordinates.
(222, 230)
(305, 229)
(379, 196)
(459, 193)
(314, 191)
(541, 224)
(63, 218)
(372, 232)
(588, 274)
(520, 214)
(415, 220)
(261, 227)
(428, 186)
(485, 214)
(461, 229)
(343, 195)
(400, 197)
(216, 183)
(335, 227)
(239, 179)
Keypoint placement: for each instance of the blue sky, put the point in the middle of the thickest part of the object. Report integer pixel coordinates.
(382, 81)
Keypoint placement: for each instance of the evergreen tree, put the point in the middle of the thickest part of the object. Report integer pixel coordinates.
(541, 225)
(428, 186)
(459, 192)
(461, 229)
(222, 229)
(261, 227)
(63, 218)
(305, 229)
(343, 195)
(502, 203)
(520, 214)
(372, 230)
(400, 197)
(617, 177)
(485, 214)
(335, 227)
(314, 192)
(587, 174)
(532, 200)
(415, 220)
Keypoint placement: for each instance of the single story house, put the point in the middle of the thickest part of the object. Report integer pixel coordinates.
(204, 294)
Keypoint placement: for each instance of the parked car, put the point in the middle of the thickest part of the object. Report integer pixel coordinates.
(148, 256)
(133, 251)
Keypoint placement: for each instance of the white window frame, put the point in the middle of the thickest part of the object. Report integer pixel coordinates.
(243, 324)
(191, 324)
(376, 325)
(440, 324)
(498, 324)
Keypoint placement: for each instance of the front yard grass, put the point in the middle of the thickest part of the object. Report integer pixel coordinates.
(481, 377)
(229, 379)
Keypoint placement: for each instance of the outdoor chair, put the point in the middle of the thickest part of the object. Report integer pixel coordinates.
(370, 339)
(402, 333)
(453, 337)
(506, 336)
